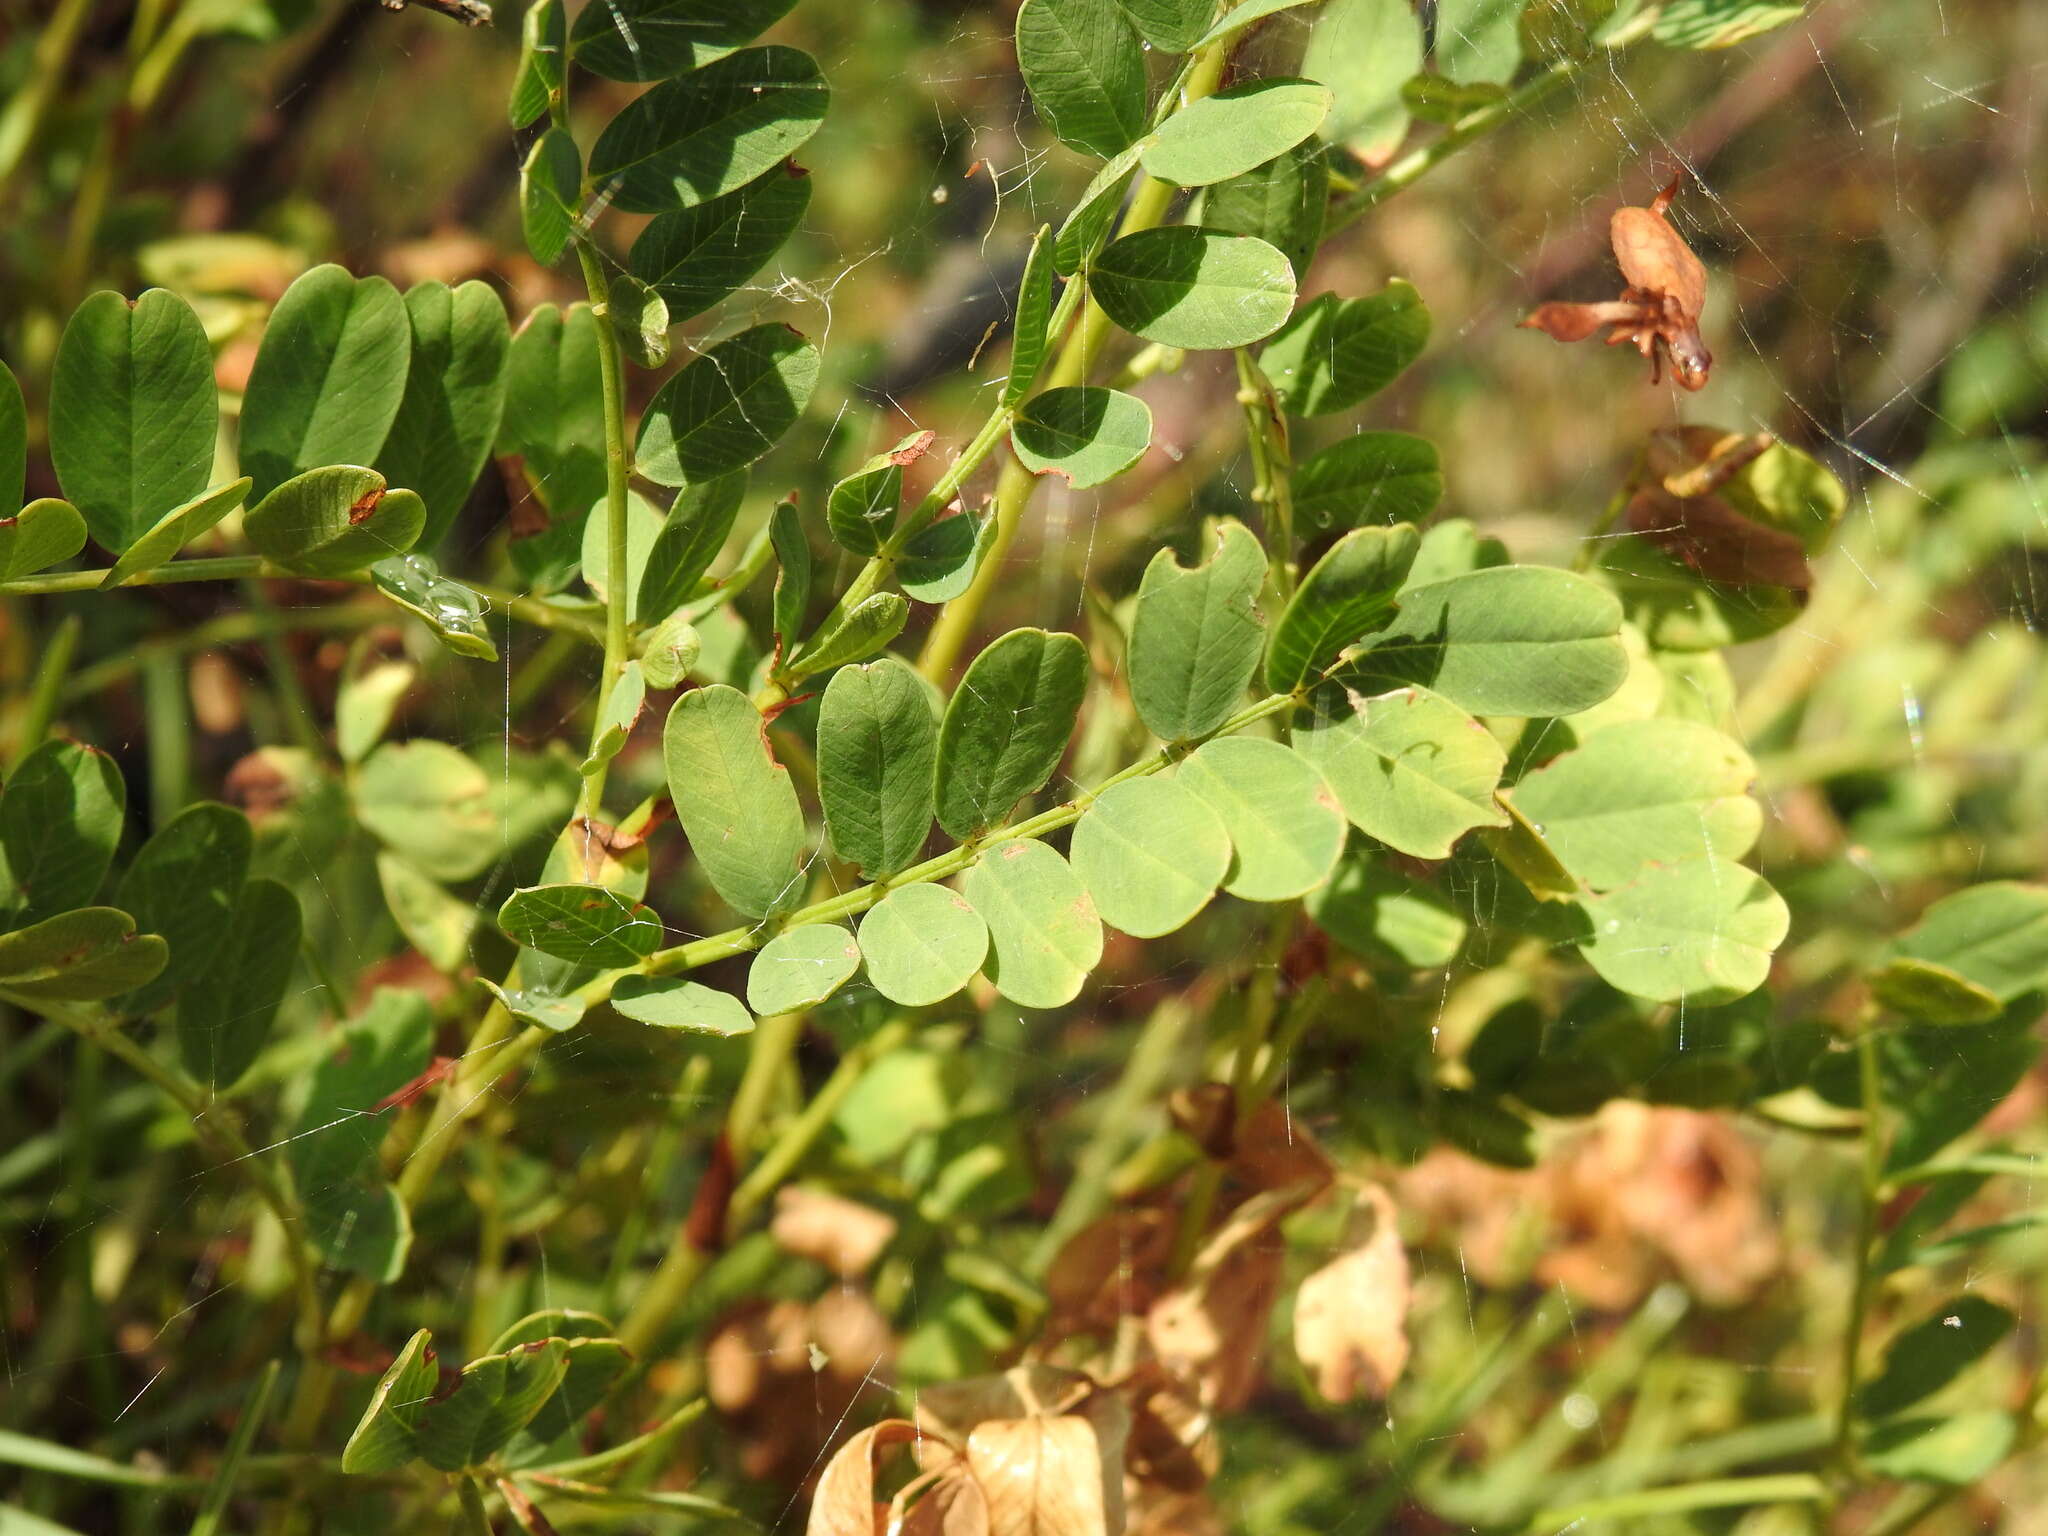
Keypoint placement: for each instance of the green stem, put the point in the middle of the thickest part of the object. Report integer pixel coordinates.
(223, 1486)
(229, 629)
(618, 469)
(47, 689)
(1272, 475)
(475, 1518)
(1729, 1493)
(675, 1423)
(1871, 1196)
(48, 70)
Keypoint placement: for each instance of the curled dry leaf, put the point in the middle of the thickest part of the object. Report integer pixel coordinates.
(844, 1504)
(1046, 1477)
(954, 1416)
(1112, 1268)
(953, 1506)
(1350, 1316)
(843, 1235)
(1687, 505)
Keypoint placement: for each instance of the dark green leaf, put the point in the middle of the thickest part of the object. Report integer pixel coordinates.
(334, 521)
(224, 1017)
(1952, 1077)
(39, 536)
(550, 194)
(583, 924)
(1151, 854)
(653, 39)
(1383, 916)
(1172, 26)
(861, 511)
(1932, 1353)
(922, 943)
(1931, 994)
(728, 407)
(132, 412)
(1196, 636)
(60, 822)
(801, 967)
(1339, 601)
(13, 443)
(1084, 65)
(1281, 202)
(82, 955)
(184, 884)
(543, 53)
(1083, 432)
(1083, 229)
(1235, 130)
(735, 802)
(498, 1396)
(1334, 353)
(1372, 477)
(793, 572)
(1029, 338)
(639, 318)
(554, 423)
(711, 132)
(940, 563)
(691, 536)
(874, 622)
(1193, 288)
(1006, 727)
(695, 256)
(1993, 935)
(454, 397)
(1044, 937)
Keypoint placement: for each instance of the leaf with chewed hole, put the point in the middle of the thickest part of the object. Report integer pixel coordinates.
(1412, 769)
(1044, 936)
(1196, 635)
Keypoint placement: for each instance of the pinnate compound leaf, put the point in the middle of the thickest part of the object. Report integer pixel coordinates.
(60, 822)
(1084, 65)
(1044, 936)
(666, 1002)
(877, 743)
(1196, 636)
(550, 192)
(800, 967)
(543, 51)
(334, 521)
(695, 256)
(79, 956)
(1286, 826)
(1344, 595)
(454, 398)
(583, 924)
(1698, 932)
(1932, 1353)
(430, 805)
(1084, 432)
(1369, 478)
(1281, 202)
(1334, 353)
(1235, 130)
(184, 884)
(1006, 727)
(691, 536)
(1029, 334)
(1510, 640)
(40, 535)
(1151, 853)
(1193, 288)
(922, 943)
(1721, 23)
(174, 530)
(711, 132)
(641, 40)
(1995, 936)
(1643, 792)
(224, 1017)
(497, 1396)
(133, 413)
(1411, 769)
(728, 407)
(735, 802)
(328, 378)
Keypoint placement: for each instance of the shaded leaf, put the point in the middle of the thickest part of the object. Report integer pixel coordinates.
(224, 1016)
(1029, 339)
(1281, 202)
(1084, 65)
(1334, 352)
(1369, 478)
(693, 257)
(383, 1439)
(550, 195)
(430, 805)
(1007, 726)
(434, 921)
(1193, 288)
(728, 407)
(60, 822)
(735, 802)
(1932, 1353)
(643, 40)
(877, 743)
(1341, 598)
(543, 55)
(184, 884)
(1084, 432)
(82, 955)
(1993, 935)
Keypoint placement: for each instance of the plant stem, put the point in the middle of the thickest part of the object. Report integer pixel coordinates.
(1729, 1493)
(618, 468)
(47, 689)
(1272, 488)
(475, 1518)
(1870, 1196)
(223, 1486)
(583, 1466)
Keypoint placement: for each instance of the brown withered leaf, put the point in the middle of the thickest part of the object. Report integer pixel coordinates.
(1175, 1514)
(1711, 537)
(1046, 1477)
(1350, 1316)
(1173, 1446)
(785, 1373)
(843, 1235)
(951, 1413)
(954, 1505)
(844, 1504)
(1112, 1268)
(1276, 1151)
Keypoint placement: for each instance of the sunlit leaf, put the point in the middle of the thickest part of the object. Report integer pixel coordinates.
(728, 407)
(1196, 636)
(1151, 854)
(667, 1002)
(1084, 65)
(40, 535)
(1364, 50)
(1193, 288)
(1044, 936)
(172, 532)
(1721, 23)
(1006, 727)
(430, 805)
(653, 39)
(922, 943)
(800, 967)
(1285, 824)
(695, 256)
(1411, 769)
(1479, 40)
(1085, 433)
(82, 955)
(334, 521)
(1993, 935)
(1699, 932)
(1235, 130)
(383, 1439)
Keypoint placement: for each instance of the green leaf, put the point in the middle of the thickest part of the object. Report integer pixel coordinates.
(693, 257)
(1006, 727)
(639, 318)
(1512, 640)
(940, 563)
(184, 884)
(1029, 333)
(60, 822)
(1281, 202)
(1950, 1078)
(1084, 65)
(1994, 935)
(1151, 854)
(39, 536)
(735, 802)
(861, 510)
(554, 423)
(1364, 50)
(793, 573)
(132, 412)
(1346, 592)
(543, 53)
(365, 704)
(1196, 636)
(353, 1218)
(498, 1396)
(550, 195)
(641, 40)
(691, 536)
(225, 1016)
(334, 521)
(79, 956)
(1084, 432)
(1334, 353)
(873, 624)
(1171, 26)
(663, 1002)
(172, 532)
(1235, 131)
(1380, 915)
(711, 132)
(622, 709)
(800, 967)
(454, 398)
(644, 524)
(328, 377)
(1643, 792)
(728, 407)
(1479, 40)
(1193, 288)
(596, 1365)
(435, 922)
(1285, 824)
(451, 610)
(877, 742)
(922, 943)
(431, 806)
(1485, 1128)
(1452, 547)
(1721, 23)
(669, 651)
(1044, 937)
(1931, 994)
(583, 924)
(1371, 477)
(1932, 1353)
(384, 1437)
(1698, 932)
(13, 444)
(1084, 228)
(1411, 769)
(1956, 1450)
